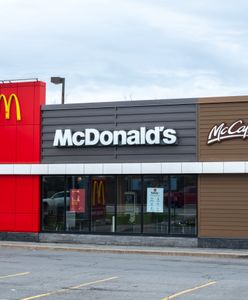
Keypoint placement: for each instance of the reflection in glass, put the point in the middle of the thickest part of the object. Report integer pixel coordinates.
(108, 204)
(53, 199)
(77, 210)
(102, 203)
(129, 204)
(183, 198)
(156, 204)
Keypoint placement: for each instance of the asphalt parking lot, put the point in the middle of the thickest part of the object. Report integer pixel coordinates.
(49, 274)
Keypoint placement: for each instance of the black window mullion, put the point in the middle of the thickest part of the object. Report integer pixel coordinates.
(65, 194)
(116, 201)
(142, 203)
(169, 205)
(41, 203)
(89, 201)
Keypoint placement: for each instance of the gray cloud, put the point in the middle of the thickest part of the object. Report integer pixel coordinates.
(127, 49)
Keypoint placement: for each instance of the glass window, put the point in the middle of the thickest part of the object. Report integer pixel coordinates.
(103, 197)
(183, 198)
(77, 204)
(155, 209)
(53, 200)
(108, 204)
(129, 204)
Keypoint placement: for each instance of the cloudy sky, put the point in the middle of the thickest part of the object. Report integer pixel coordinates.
(127, 49)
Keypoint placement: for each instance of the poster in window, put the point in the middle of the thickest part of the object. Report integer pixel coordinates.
(77, 200)
(155, 200)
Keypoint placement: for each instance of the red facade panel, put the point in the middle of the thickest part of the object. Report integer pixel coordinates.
(37, 143)
(39, 93)
(19, 203)
(28, 96)
(20, 122)
(8, 137)
(7, 222)
(24, 194)
(7, 195)
(36, 195)
(24, 222)
(36, 222)
(26, 150)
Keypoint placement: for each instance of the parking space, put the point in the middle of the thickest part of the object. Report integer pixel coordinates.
(46, 274)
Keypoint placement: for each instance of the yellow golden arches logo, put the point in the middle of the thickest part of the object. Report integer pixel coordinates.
(7, 105)
(98, 193)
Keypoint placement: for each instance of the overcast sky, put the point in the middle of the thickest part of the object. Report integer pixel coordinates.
(127, 49)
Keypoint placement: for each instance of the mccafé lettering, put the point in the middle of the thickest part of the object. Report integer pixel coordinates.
(91, 137)
(237, 129)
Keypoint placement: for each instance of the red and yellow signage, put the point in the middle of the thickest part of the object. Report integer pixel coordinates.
(98, 196)
(20, 135)
(7, 105)
(77, 200)
(20, 121)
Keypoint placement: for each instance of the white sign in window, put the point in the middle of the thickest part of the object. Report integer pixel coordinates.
(155, 200)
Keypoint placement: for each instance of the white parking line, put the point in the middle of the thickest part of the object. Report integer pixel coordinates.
(69, 289)
(14, 275)
(189, 290)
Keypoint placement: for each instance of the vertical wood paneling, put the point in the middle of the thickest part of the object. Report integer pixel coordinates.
(223, 206)
(216, 112)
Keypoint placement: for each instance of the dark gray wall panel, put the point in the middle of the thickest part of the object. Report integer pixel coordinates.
(179, 114)
(82, 120)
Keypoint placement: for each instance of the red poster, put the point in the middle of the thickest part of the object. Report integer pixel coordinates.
(77, 200)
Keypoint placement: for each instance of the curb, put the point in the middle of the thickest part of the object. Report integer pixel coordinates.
(129, 251)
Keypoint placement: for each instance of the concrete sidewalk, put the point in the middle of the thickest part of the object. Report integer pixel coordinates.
(172, 251)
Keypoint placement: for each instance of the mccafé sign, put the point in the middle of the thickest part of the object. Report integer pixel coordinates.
(159, 135)
(218, 133)
(7, 105)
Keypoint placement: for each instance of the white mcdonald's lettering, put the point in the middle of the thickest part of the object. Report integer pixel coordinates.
(237, 129)
(159, 135)
(7, 105)
(98, 193)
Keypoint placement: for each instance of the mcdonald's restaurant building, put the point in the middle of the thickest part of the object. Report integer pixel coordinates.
(157, 172)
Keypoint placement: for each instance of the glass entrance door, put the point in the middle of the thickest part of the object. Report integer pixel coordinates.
(183, 200)
(129, 204)
(77, 204)
(155, 204)
(103, 196)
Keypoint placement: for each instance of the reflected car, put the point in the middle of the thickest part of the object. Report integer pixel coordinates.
(185, 197)
(56, 201)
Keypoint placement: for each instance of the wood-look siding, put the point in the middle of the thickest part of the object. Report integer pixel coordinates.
(210, 114)
(223, 206)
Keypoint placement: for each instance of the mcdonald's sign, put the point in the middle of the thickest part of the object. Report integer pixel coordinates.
(7, 105)
(98, 193)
